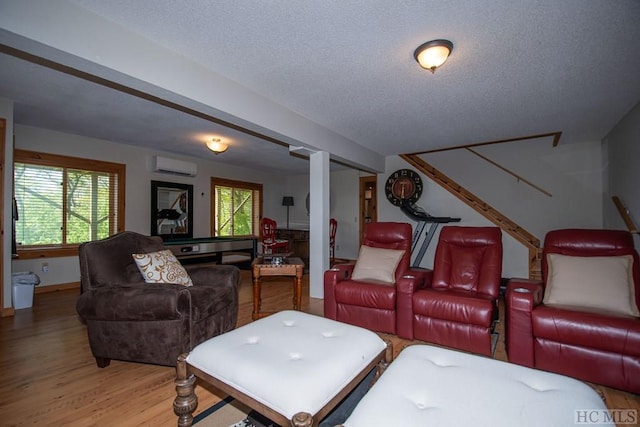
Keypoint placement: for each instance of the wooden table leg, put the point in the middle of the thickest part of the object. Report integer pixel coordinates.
(186, 400)
(256, 297)
(385, 362)
(294, 297)
(297, 293)
(302, 419)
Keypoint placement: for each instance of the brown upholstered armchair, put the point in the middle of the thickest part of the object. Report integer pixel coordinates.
(129, 319)
(365, 302)
(458, 305)
(582, 319)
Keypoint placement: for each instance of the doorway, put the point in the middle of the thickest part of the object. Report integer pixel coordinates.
(368, 201)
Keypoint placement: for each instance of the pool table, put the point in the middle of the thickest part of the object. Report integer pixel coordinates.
(210, 249)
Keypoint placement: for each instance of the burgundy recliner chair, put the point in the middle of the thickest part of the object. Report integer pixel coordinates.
(457, 307)
(587, 343)
(367, 304)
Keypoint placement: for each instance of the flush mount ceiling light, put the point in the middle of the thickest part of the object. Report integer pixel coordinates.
(217, 146)
(433, 54)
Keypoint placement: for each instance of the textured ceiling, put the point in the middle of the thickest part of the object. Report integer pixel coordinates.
(54, 100)
(518, 68)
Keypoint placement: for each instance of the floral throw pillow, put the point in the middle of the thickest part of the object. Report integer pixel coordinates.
(162, 267)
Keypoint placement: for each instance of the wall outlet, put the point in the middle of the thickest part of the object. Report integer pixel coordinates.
(45, 267)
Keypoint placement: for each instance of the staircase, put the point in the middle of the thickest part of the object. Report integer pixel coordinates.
(507, 225)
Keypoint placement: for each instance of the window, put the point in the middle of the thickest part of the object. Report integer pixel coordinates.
(236, 207)
(64, 201)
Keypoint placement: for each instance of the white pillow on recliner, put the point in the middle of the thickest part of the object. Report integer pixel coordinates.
(377, 264)
(602, 282)
(162, 267)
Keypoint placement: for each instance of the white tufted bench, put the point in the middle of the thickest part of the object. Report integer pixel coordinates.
(431, 386)
(292, 367)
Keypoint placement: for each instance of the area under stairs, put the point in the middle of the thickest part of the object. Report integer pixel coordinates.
(507, 225)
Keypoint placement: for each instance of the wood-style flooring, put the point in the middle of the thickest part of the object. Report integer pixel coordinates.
(49, 377)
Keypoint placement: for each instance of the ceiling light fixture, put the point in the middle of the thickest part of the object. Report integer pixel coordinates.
(433, 54)
(217, 146)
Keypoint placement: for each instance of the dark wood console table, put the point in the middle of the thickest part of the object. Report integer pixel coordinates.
(298, 242)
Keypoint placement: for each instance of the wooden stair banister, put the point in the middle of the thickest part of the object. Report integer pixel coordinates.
(625, 214)
(507, 225)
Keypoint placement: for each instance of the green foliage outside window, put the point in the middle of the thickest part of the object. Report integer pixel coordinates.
(224, 210)
(88, 206)
(236, 210)
(59, 206)
(242, 214)
(38, 193)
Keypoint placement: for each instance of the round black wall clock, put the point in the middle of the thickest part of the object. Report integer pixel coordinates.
(403, 186)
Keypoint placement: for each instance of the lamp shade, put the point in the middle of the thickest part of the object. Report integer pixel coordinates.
(287, 201)
(433, 54)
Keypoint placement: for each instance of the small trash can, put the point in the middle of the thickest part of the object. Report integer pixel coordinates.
(22, 286)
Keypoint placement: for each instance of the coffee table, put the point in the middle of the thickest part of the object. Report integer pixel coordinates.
(292, 367)
(292, 267)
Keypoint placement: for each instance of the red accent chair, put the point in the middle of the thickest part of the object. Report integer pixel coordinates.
(369, 304)
(270, 244)
(457, 307)
(586, 343)
(333, 227)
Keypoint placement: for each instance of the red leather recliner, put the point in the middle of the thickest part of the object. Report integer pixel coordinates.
(590, 344)
(367, 304)
(458, 305)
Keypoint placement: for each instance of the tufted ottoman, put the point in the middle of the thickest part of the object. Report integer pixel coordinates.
(292, 367)
(431, 386)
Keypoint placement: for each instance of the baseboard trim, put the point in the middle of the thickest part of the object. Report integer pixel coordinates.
(7, 312)
(56, 288)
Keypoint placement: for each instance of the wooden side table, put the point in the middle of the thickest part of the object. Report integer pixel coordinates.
(293, 268)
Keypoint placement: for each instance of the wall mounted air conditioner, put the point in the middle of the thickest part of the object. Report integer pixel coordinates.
(174, 166)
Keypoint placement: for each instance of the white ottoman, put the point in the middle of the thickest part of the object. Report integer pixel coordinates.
(431, 386)
(292, 367)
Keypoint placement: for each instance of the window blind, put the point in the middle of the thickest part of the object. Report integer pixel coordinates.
(236, 208)
(64, 201)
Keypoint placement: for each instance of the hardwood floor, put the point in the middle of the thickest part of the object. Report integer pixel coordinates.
(50, 378)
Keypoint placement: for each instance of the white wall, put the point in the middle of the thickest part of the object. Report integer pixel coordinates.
(138, 189)
(622, 170)
(571, 173)
(439, 202)
(344, 205)
(345, 208)
(297, 187)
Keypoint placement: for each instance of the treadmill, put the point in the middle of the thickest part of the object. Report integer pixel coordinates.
(417, 213)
